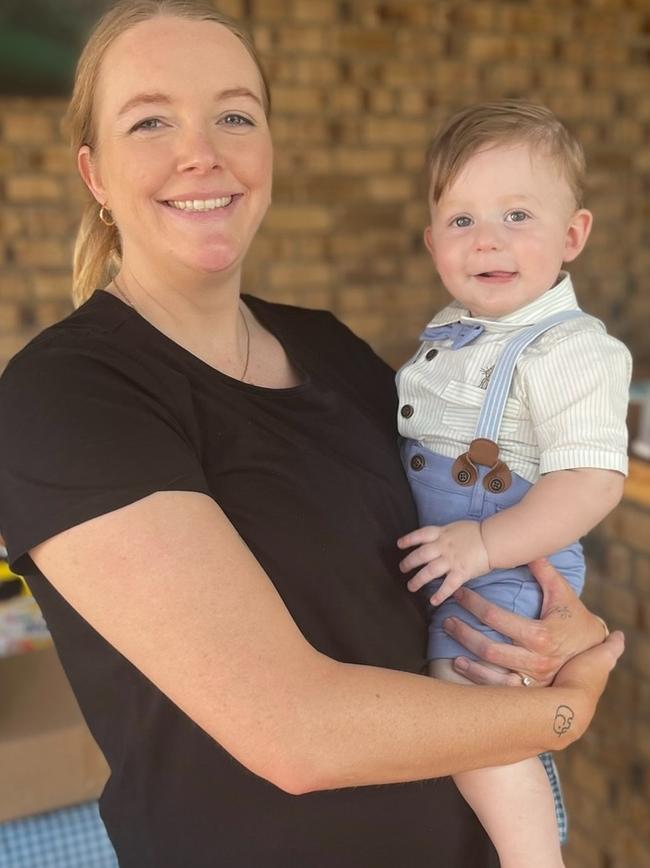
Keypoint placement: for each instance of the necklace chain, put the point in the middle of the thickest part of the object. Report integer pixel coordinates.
(242, 377)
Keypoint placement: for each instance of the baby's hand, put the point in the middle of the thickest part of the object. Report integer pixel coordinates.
(456, 549)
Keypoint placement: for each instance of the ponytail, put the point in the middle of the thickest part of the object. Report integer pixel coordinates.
(97, 254)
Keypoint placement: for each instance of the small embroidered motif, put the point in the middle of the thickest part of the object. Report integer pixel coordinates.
(487, 373)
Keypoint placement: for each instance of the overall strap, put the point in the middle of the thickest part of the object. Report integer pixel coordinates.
(489, 420)
(484, 448)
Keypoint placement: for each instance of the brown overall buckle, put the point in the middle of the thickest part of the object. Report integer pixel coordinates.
(485, 452)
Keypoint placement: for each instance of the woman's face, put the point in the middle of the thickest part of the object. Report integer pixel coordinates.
(183, 158)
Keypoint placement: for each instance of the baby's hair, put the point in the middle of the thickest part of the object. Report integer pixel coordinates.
(503, 122)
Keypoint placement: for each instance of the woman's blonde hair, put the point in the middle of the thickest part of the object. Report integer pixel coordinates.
(97, 250)
(504, 122)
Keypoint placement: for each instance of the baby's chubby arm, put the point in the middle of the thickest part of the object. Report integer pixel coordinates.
(560, 508)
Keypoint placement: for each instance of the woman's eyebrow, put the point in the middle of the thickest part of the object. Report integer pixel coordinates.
(149, 98)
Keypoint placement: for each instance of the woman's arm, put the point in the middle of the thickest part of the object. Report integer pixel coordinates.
(198, 616)
(540, 647)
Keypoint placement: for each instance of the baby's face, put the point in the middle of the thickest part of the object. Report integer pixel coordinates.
(500, 233)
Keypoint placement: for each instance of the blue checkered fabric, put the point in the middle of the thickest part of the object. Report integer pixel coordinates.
(554, 780)
(70, 838)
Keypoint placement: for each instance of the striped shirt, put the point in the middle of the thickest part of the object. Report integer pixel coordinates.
(567, 403)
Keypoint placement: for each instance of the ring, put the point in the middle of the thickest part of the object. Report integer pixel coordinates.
(526, 680)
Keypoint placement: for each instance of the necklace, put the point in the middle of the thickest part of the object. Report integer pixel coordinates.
(125, 298)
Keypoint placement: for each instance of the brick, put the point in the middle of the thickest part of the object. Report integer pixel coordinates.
(316, 70)
(14, 285)
(57, 159)
(345, 99)
(304, 219)
(387, 188)
(12, 343)
(271, 10)
(53, 285)
(42, 253)
(290, 99)
(322, 11)
(33, 188)
(641, 575)
(381, 101)
(24, 128)
(299, 274)
(7, 159)
(10, 316)
(310, 39)
(390, 131)
(618, 563)
(365, 42)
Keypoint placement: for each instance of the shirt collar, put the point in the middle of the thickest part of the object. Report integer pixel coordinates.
(558, 298)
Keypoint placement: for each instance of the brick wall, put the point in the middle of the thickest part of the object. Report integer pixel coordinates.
(359, 87)
(606, 776)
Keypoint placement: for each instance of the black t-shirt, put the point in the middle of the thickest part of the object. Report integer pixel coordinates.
(103, 409)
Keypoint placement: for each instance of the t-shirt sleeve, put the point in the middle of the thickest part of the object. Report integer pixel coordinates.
(83, 434)
(577, 395)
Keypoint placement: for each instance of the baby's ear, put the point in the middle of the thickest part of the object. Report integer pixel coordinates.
(577, 234)
(428, 240)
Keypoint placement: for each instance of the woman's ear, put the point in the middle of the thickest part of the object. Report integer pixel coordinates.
(90, 174)
(577, 234)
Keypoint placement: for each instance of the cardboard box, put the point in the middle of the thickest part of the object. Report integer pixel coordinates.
(48, 758)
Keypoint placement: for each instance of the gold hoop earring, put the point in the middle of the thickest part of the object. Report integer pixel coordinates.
(106, 217)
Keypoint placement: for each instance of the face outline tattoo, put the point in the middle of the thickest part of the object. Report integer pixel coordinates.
(563, 719)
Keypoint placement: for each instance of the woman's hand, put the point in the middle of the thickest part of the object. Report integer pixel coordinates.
(541, 647)
(586, 673)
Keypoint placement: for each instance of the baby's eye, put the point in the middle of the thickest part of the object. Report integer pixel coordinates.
(147, 124)
(517, 216)
(462, 222)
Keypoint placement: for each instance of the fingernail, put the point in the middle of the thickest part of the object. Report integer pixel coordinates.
(461, 663)
(448, 625)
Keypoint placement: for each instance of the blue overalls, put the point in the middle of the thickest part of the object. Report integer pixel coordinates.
(447, 490)
(476, 486)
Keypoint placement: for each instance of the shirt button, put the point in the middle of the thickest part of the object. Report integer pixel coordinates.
(417, 462)
(431, 355)
(407, 411)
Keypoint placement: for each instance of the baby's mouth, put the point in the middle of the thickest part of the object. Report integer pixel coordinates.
(497, 275)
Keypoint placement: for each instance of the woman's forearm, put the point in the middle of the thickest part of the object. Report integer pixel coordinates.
(359, 725)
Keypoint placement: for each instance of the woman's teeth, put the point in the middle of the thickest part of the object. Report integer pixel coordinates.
(200, 204)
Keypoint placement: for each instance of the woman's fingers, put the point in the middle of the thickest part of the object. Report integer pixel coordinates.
(511, 657)
(522, 630)
(479, 673)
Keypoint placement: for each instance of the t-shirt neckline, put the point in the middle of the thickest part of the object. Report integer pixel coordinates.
(257, 308)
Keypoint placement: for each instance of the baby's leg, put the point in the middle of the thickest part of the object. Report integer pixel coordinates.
(514, 803)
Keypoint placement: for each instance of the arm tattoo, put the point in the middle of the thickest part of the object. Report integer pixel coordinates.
(562, 612)
(563, 719)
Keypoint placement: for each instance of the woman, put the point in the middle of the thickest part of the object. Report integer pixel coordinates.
(205, 494)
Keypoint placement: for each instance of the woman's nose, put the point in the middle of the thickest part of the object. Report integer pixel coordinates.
(199, 151)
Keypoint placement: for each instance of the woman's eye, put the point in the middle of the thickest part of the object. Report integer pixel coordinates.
(236, 120)
(147, 124)
(461, 222)
(517, 216)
